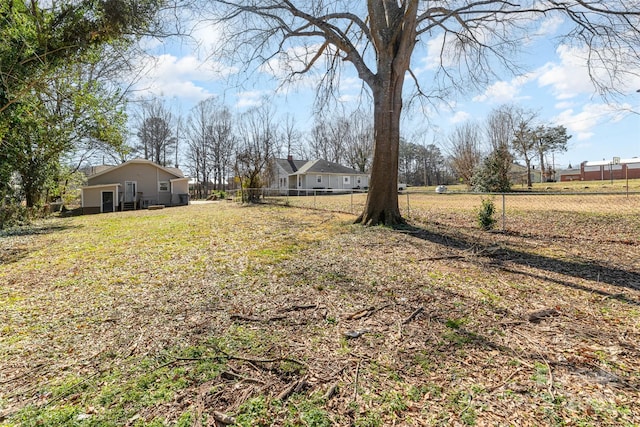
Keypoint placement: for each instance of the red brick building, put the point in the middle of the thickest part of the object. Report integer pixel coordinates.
(605, 170)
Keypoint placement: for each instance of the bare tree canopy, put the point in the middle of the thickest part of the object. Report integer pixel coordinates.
(156, 132)
(464, 150)
(476, 40)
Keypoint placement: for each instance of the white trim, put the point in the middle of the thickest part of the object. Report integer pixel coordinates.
(91, 187)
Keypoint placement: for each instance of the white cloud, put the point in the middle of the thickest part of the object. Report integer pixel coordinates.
(568, 78)
(251, 98)
(550, 26)
(459, 117)
(505, 91)
(171, 76)
(440, 52)
(582, 123)
(564, 105)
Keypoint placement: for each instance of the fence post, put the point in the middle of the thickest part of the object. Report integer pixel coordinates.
(351, 201)
(314, 198)
(408, 207)
(503, 211)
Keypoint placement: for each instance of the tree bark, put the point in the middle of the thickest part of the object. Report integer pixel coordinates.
(393, 34)
(382, 199)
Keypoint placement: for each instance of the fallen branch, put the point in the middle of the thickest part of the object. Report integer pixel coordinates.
(24, 374)
(365, 312)
(298, 308)
(294, 387)
(504, 382)
(233, 375)
(538, 316)
(245, 318)
(255, 319)
(355, 382)
(256, 360)
(413, 315)
(330, 391)
(550, 386)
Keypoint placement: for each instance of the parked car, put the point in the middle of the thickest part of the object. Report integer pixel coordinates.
(441, 189)
(402, 187)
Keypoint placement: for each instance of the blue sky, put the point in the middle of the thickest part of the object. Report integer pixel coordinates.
(556, 85)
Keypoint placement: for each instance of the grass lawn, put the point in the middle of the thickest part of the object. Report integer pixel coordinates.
(269, 315)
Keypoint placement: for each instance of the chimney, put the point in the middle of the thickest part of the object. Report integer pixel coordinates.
(293, 165)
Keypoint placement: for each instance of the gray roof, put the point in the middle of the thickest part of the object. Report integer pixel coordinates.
(173, 171)
(326, 167)
(291, 166)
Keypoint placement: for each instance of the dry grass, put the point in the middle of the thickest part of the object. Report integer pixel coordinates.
(283, 316)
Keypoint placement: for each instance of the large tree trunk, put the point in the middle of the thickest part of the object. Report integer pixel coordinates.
(393, 33)
(528, 163)
(382, 199)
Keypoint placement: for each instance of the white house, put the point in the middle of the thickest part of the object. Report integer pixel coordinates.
(296, 175)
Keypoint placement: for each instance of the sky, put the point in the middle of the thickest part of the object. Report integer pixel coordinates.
(556, 86)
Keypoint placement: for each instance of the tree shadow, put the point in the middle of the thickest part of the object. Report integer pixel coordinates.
(10, 252)
(504, 258)
(453, 337)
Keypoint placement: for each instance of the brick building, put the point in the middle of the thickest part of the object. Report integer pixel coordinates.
(604, 170)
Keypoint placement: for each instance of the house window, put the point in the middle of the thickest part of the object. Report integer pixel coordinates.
(358, 180)
(163, 186)
(318, 179)
(299, 181)
(346, 180)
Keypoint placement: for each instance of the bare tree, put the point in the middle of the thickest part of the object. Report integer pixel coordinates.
(292, 137)
(257, 148)
(320, 146)
(223, 142)
(345, 138)
(500, 129)
(464, 150)
(421, 164)
(155, 132)
(379, 37)
(198, 130)
(359, 142)
(407, 160)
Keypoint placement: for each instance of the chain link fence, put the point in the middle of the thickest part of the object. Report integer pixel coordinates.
(556, 214)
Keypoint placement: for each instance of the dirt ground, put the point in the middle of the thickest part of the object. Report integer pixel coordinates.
(283, 316)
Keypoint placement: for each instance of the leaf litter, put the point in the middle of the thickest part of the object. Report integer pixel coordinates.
(219, 314)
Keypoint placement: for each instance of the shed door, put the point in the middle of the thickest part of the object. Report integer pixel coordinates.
(107, 201)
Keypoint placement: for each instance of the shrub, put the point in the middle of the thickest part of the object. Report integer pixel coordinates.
(486, 220)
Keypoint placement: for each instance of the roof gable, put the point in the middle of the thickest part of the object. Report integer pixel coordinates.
(290, 166)
(172, 171)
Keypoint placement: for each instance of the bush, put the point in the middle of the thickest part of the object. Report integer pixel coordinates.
(13, 214)
(486, 221)
(493, 174)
